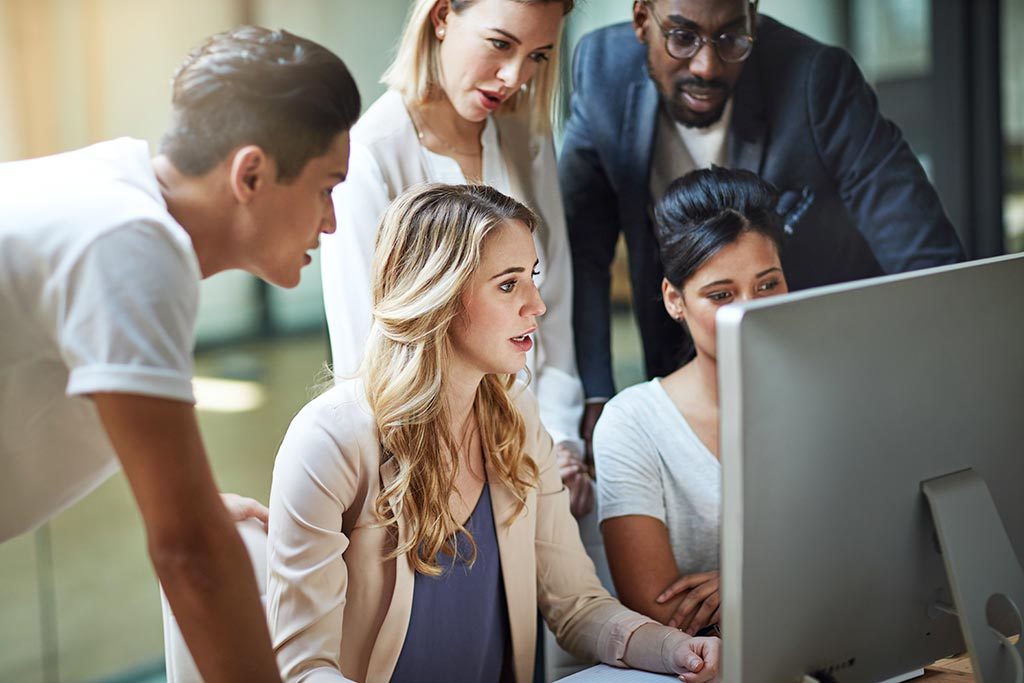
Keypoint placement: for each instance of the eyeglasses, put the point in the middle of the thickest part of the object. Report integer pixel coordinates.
(684, 43)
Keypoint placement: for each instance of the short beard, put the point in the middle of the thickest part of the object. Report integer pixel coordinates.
(679, 113)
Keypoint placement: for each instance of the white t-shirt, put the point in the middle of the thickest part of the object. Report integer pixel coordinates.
(99, 288)
(679, 149)
(650, 462)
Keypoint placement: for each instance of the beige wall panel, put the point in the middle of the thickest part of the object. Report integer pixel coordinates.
(10, 145)
(138, 47)
(363, 34)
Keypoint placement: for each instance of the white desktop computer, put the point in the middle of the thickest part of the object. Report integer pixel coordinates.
(872, 446)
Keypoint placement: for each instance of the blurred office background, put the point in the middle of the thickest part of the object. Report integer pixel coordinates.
(78, 599)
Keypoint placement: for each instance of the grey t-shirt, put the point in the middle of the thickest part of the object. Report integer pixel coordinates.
(650, 462)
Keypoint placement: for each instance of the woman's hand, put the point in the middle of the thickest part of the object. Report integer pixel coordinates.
(576, 478)
(241, 508)
(696, 660)
(700, 607)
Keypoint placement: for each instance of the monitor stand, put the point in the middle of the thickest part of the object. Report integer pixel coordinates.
(984, 573)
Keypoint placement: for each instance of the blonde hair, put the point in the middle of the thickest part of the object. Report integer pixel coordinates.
(416, 73)
(428, 246)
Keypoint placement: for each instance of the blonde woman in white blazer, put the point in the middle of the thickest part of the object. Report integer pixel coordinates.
(469, 101)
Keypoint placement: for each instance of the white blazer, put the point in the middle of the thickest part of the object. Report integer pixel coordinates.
(339, 612)
(386, 159)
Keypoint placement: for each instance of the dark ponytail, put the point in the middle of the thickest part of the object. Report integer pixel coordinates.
(708, 209)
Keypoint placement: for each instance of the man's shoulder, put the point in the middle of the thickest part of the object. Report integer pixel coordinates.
(612, 54)
(783, 49)
(109, 200)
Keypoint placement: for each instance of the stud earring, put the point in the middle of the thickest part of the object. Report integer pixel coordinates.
(440, 33)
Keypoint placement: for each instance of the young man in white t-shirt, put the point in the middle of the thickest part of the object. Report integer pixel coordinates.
(101, 254)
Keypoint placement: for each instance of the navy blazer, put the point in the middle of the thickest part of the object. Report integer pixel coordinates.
(856, 201)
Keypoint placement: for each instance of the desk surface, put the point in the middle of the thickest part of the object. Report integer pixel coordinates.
(955, 670)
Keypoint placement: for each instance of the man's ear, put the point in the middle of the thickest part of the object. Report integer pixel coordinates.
(673, 299)
(250, 171)
(640, 17)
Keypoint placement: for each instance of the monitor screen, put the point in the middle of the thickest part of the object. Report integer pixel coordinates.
(836, 405)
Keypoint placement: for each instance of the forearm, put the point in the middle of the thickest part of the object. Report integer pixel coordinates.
(561, 404)
(642, 600)
(195, 549)
(639, 555)
(210, 585)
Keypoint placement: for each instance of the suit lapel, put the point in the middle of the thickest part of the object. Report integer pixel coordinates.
(392, 632)
(749, 128)
(639, 125)
(515, 547)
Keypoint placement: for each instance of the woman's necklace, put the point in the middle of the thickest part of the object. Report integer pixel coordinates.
(421, 129)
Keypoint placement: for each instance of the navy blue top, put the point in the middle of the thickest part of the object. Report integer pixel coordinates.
(458, 630)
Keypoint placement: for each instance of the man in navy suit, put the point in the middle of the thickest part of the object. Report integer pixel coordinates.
(697, 82)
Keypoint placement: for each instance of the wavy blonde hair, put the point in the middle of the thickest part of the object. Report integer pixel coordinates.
(429, 244)
(416, 72)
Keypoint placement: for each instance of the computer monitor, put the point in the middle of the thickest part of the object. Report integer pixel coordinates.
(837, 405)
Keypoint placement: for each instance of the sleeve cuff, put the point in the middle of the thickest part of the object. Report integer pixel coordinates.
(621, 510)
(616, 633)
(121, 379)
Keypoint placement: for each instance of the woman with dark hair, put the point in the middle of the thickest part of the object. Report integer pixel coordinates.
(656, 444)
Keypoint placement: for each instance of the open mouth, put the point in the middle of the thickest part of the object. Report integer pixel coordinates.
(703, 99)
(490, 100)
(702, 94)
(521, 338)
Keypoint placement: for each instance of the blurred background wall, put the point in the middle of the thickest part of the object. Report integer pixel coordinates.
(78, 599)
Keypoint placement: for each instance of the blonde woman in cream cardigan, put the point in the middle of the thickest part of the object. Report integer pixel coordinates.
(417, 519)
(469, 101)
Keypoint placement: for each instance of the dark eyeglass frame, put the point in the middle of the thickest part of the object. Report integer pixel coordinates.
(701, 39)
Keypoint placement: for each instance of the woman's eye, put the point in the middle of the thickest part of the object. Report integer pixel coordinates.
(768, 286)
(507, 286)
(500, 44)
(539, 57)
(535, 273)
(719, 297)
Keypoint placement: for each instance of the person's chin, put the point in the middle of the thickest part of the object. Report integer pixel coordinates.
(511, 367)
(702, 120)
(286, 280)
(472, 111)
(697, 119)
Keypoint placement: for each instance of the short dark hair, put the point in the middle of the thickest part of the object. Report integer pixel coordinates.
(706, 210)
(251, 85)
